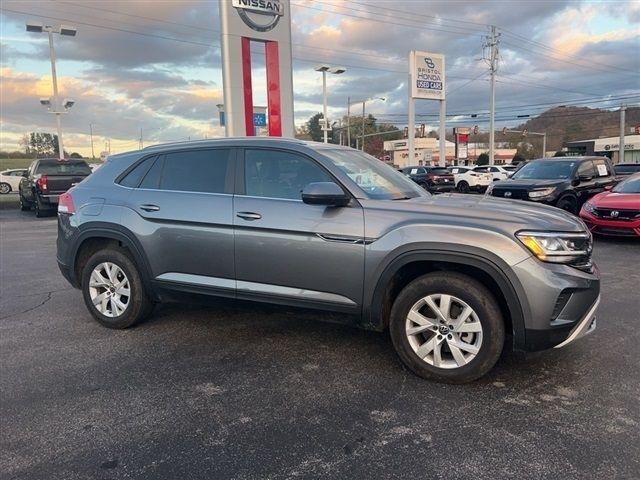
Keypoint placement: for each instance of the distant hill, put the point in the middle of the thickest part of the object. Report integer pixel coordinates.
(567, 124)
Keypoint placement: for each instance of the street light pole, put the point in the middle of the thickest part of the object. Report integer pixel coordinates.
(363, 102)
(349, 122)
(57, 104)
(324, 69)
(349, 103)
(93, 155)
(52, 57)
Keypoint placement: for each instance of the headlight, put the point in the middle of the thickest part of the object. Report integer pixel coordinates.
(589, 207)
(543, 192)
(569, 248)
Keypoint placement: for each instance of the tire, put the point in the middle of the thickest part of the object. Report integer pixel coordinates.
(463, 186)
(25, 205)
(41, 211)
(481, 341)
(568, 204)
(137, 304)
(4, 188)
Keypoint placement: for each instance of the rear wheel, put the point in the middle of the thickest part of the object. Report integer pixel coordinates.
(41, 210)
(568, 204)
(4, 188)
(463, 186)
(448, 327)
(24, 204)
(113, 290)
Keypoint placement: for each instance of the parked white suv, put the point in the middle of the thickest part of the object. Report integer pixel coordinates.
(496, 171)
(10, 179)
(466, 179)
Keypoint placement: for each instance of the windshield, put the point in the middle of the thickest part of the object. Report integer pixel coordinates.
(546, 170)
(630, 185)
(440, 171)
(377, 179)
(63, 168)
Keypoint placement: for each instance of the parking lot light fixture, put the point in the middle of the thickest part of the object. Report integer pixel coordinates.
(53, 104)
(336, 71)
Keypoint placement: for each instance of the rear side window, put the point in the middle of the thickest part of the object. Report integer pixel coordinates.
(202, 171)
(135, 176)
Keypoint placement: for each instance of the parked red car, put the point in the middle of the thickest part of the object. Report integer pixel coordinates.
(616, 212)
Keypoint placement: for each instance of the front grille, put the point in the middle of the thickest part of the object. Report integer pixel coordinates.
(517, 194)
(614, 214)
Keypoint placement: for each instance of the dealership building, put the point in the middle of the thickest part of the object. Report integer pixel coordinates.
(608, 147)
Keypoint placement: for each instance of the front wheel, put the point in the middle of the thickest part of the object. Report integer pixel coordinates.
(448, 327)
(113, 290)
(568, 204)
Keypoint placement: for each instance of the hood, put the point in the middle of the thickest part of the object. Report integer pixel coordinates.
(623, 201)
(529, 183)
(484, 212)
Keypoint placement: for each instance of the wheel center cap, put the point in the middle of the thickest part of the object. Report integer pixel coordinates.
(444, 329)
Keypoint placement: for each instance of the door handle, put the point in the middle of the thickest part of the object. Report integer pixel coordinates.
(249, 216)
(149, 208)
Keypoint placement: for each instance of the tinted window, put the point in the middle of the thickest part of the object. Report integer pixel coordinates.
(277, 174)
(135, 176)
(585, 169)
(440, 171)
(152, 178)
(621, 169)
(481, 169)
(195, 171)
(54, 167)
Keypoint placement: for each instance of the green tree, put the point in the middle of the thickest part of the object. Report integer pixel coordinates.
(560, 153)
(314, 128)
(75, 155)
(483, 159)
(517, 158)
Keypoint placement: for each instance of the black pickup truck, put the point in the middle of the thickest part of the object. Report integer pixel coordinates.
(46, 180)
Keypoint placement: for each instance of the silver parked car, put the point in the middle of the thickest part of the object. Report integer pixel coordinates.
(453, 278)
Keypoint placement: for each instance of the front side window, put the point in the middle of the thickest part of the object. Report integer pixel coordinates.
(376, 179)
(279, 174)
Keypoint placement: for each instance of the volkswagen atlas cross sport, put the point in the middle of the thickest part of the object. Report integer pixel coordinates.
(454, 278)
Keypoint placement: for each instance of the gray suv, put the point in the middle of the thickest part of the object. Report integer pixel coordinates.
(454, 278)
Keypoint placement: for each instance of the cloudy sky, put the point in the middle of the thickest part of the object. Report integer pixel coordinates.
(155, 65)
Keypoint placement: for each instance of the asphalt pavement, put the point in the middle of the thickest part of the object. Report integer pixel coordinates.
(231, 390)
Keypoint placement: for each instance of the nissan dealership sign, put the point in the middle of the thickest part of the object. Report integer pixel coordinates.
(259, 15)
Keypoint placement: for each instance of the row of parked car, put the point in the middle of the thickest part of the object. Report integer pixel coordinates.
(588, 186)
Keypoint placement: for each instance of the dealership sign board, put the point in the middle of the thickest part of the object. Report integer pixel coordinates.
(427, 75)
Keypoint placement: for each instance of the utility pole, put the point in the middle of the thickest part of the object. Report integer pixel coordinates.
(623, 109)
(93, 155)
(140, 146)
(349, 121)
(492, 43)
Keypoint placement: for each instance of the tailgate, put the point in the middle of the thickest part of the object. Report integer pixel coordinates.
(57, 184)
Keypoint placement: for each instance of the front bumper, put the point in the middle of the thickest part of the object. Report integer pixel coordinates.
(604, 226)
(560, 303)
(441, 187)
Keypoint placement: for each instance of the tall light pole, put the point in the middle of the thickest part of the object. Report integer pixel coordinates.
(324, 69)
(57, 107)
(363, 102)
(93, 155)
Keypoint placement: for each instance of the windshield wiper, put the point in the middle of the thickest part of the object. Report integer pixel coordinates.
(401, 198)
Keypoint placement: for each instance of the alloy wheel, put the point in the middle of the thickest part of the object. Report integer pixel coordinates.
(109, 289)
(444, 331)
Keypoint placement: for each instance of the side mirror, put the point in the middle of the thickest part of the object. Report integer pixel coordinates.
(585, 178)
(324, 193)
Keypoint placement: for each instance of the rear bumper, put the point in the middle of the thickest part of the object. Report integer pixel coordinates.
(49, 198)
(441, 187)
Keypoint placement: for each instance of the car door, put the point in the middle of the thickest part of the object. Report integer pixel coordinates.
(604, 175)
(587, 187)
(288, 251)
(181, 213)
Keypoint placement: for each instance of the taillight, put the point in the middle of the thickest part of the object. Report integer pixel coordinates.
(65, 204)
(42, 183)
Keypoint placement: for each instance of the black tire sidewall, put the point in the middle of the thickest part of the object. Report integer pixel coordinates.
(569, 201)
(139, 304)
(474, 294)
(463, 186)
